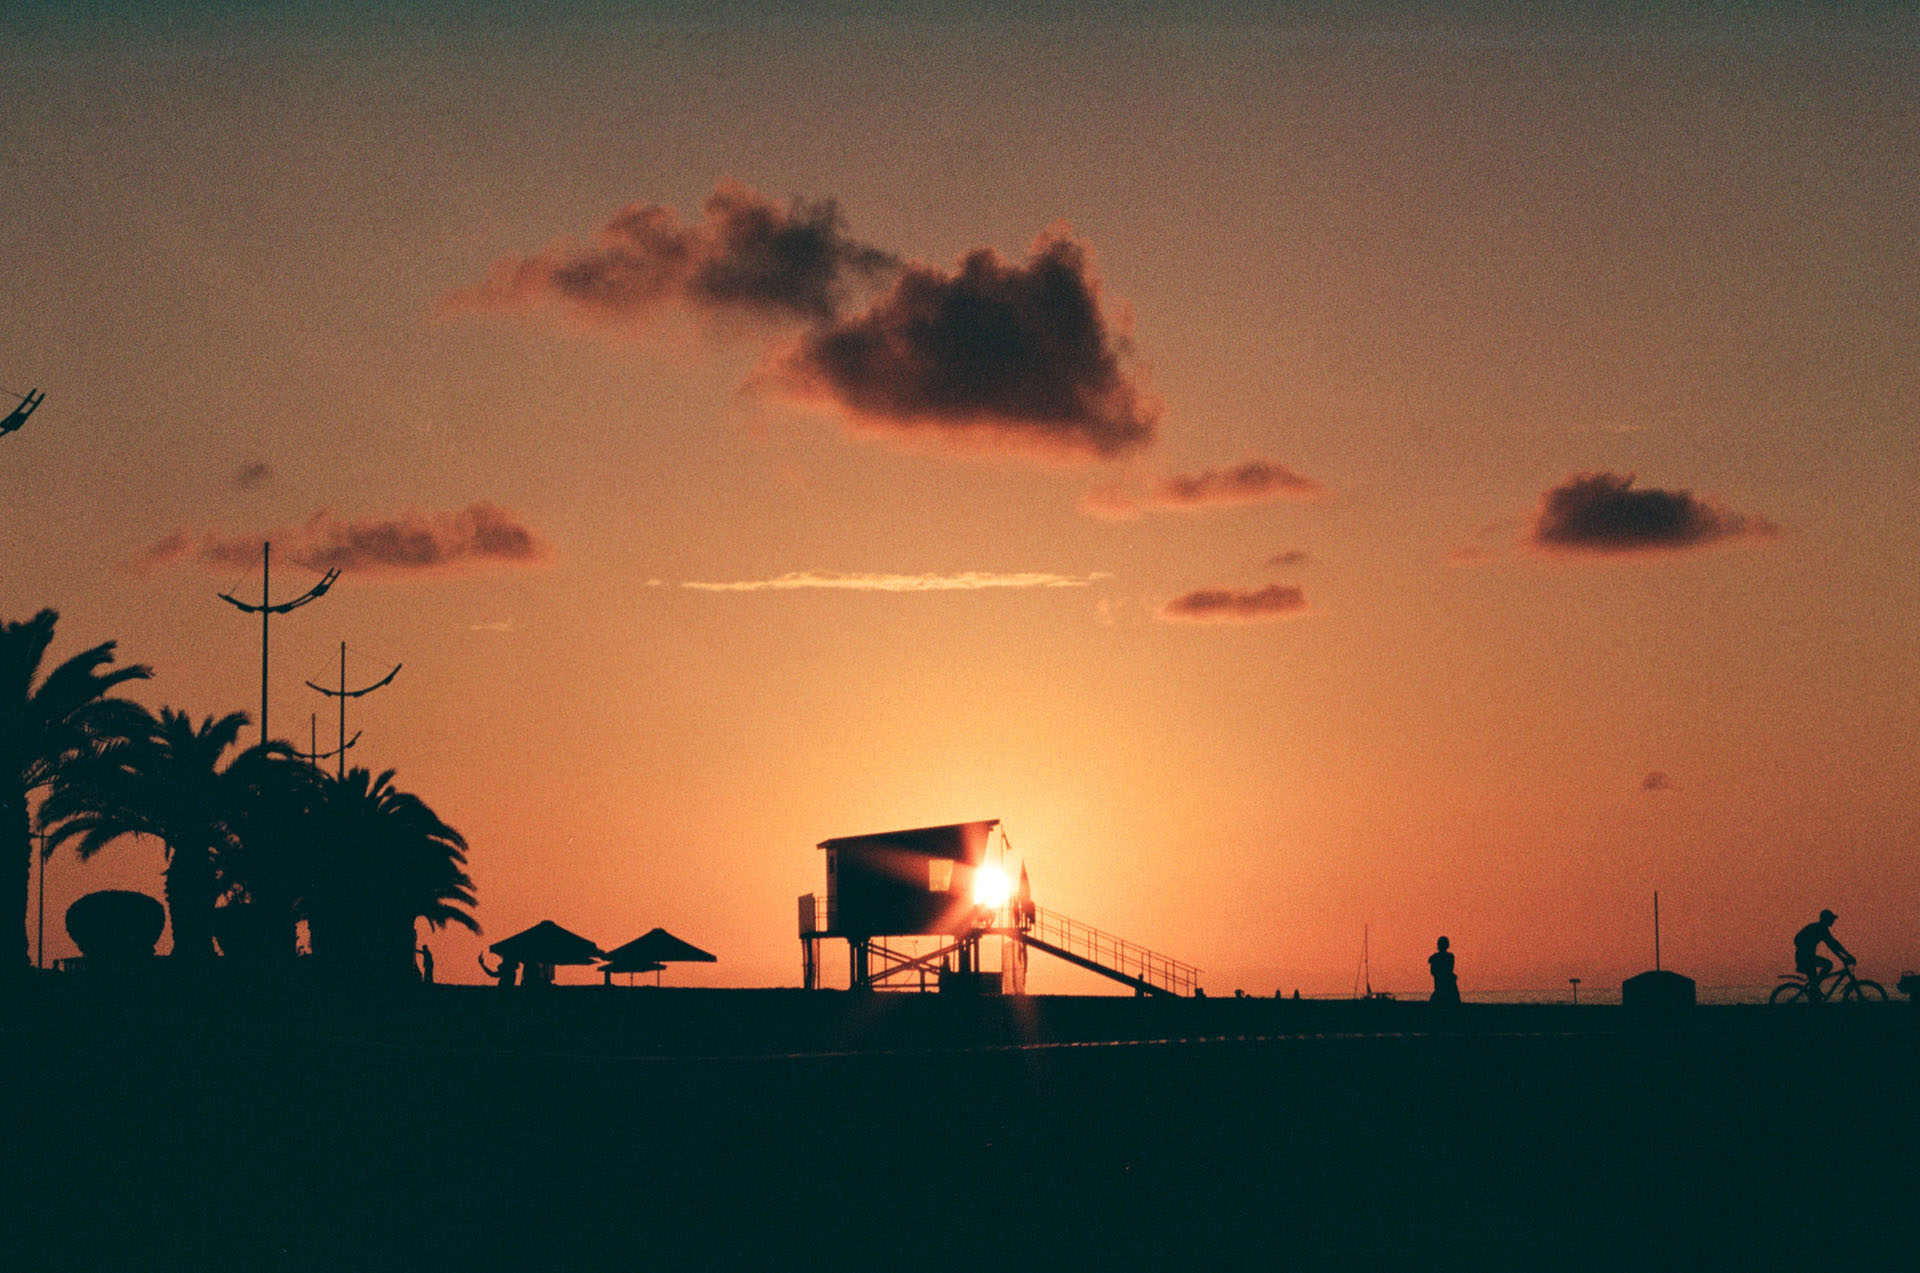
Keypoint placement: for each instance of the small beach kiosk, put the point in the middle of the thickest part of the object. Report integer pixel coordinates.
(892, 894)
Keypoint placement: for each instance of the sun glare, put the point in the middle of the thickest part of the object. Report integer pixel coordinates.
(991, 887)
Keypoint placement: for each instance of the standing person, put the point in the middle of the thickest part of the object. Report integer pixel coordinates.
(1806, 952)
(1446, 988)
(426, 965)
(506, 974)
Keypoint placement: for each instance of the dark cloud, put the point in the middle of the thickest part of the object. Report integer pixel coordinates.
(481, 534)
(252, 475)
(1291, 557)
(1601, 513)
(998, 354)
(1656, 781)
(1234, 605)
(748, 254)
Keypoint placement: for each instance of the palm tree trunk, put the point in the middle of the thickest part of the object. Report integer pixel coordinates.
(189, 886)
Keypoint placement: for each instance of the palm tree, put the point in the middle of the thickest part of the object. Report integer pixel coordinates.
(44, 728)
(163, 780)
(278, 823)
(388, 860)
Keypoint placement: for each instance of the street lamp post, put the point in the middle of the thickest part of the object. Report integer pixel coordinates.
(267, 610)
(40, 924)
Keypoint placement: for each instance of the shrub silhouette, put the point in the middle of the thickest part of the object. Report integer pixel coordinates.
(115, 927)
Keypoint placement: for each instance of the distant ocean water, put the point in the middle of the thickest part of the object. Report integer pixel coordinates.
(1611, 994)
(1595, 994)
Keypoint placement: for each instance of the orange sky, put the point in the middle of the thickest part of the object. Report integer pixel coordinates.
(1367, 298)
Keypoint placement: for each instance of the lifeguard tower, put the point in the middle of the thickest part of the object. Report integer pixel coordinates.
(891, 893)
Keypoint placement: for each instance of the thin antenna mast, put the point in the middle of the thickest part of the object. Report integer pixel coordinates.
(1656, 930)
(266, 610)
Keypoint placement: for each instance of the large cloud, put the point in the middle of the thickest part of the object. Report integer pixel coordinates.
(1591, 513)
(997, 354)
(481, 534)
(1234, 605)
(1253, 481)
(747, 254)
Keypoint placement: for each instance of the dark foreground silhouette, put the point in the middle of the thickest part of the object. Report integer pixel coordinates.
(713, 1129)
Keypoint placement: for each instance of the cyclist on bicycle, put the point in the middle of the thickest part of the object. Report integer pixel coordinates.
(1806, 951)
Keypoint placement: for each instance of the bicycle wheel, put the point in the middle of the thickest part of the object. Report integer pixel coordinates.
(1789, 992)
(1866, 992)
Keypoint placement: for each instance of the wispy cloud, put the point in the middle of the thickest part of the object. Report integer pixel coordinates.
(1486, 545)
(1234, 605)
(1656, 781)
(252, 475)
(1291, 557)
(412, 542)
(1601, 514)
(747, 254)
(965, 581)
(1252, 481)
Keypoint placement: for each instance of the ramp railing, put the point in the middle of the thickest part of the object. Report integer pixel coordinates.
(1148, 972)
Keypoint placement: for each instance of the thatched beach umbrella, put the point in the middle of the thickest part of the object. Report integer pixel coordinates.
(656, 946)
(546, 945)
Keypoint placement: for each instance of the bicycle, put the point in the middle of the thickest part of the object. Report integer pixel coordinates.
(1839, 984)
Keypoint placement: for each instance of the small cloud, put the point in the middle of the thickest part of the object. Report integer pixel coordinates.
(1234, 605)
(966, 581)
(1253, 481)
(747, 254)
(1249, 482)
(1291, 557)
(1600, 513)
(1657, 781)
(996, 356)
(1111, 502)
(252, 475)
(481, 534)
(1468, 555)
(1486, 545)
(492, 625)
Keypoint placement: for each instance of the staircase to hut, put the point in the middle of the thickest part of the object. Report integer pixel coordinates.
(1146, 971)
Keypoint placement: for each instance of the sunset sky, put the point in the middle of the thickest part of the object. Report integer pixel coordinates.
(1301, 473)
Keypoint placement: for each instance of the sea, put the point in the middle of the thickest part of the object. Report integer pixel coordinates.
(1611, 994)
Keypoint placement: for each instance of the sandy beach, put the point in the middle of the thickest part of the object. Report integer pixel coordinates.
(736, 1129)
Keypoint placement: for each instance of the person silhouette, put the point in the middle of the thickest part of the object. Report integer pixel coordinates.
(426, 965)
(1446, 988)
(506, 974)
(1806, 952)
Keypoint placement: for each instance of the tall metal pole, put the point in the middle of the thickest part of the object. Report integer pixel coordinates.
(40, 938)
(343, 694)
(267, 610)
(266, 571)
